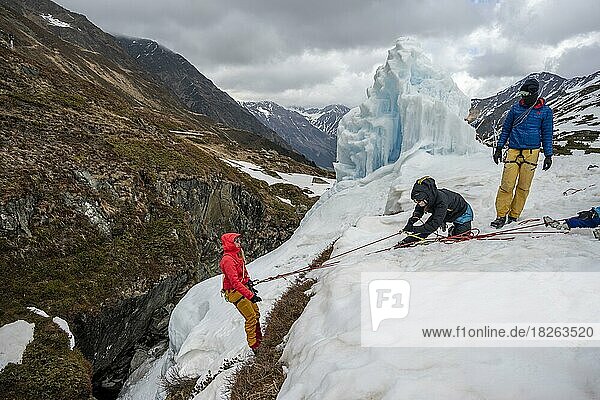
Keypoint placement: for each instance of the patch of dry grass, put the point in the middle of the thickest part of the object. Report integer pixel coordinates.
(262, 376)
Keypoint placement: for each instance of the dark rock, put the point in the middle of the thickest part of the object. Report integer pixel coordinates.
(109, 337)
(16, 215)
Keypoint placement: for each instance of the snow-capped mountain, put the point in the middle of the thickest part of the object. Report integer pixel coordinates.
(575, 103)
(326, 118)
(302, 129)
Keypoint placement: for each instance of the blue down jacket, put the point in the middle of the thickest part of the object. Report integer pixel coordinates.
(534, 131)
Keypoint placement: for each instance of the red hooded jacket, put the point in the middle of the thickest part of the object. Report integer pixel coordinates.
(233, 267)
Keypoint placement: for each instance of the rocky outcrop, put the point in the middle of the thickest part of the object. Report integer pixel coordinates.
(110, 337)
(15, 216)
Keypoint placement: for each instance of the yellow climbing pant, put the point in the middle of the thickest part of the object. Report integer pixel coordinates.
(519, 168)
(249, 311)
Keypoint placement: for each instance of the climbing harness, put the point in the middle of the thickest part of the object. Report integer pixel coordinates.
(520, 159)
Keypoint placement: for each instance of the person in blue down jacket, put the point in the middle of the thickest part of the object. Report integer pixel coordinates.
(527, 126)
(583, 219)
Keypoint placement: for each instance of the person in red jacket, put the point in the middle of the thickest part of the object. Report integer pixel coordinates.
(238, 288)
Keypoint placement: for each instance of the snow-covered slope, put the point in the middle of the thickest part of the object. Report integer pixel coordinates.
(324, 357)
(575, 103)
(412, 103)
(311, 185)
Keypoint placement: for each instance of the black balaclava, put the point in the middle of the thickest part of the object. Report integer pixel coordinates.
(531, 86)
(424, 189)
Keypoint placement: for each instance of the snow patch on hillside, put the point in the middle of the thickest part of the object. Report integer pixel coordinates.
(303, 181)
(14, 338)
(55, 22)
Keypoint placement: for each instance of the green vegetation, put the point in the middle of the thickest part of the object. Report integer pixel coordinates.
(577, 141)
(24, 97)
(179, 156)
(299, 199)
(49, 369)
(74, 101)
(73, 269)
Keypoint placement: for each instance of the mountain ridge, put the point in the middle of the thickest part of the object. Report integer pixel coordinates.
(192, 88)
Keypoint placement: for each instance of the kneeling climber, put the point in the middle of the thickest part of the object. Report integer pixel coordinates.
(444, 206)
(238, 288)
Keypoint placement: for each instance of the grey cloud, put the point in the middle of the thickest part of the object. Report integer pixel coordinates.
(119, 15)
(339, 24)
(549, 21)
(277, 77)
(577, 61)
(494, 64)
(248, 46)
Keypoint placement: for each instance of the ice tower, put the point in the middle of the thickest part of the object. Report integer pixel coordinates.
(411, 103)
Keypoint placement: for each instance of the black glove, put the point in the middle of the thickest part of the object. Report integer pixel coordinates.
(255, 299)
(409, 225)
(497, 155)
(588, 214)
(407, 240)
(547, 163)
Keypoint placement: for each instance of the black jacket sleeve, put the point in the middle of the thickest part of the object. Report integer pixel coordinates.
(435, 220)
(418, 212)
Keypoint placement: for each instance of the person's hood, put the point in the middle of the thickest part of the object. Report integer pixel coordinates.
(424, 188)
(227, 242)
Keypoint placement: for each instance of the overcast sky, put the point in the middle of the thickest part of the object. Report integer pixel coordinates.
(317, 52)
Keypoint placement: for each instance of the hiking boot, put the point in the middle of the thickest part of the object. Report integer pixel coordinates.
(597, 233)
(498, 222)
(510, 220)
(560, 225)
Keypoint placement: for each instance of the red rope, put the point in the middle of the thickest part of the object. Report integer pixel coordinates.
(473, 234)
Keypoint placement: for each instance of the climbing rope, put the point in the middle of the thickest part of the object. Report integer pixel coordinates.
(571, 191)
(473, 234)
(326, 264)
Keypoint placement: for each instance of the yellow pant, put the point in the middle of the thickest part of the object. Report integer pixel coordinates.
(249, 311)
(519, 168)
